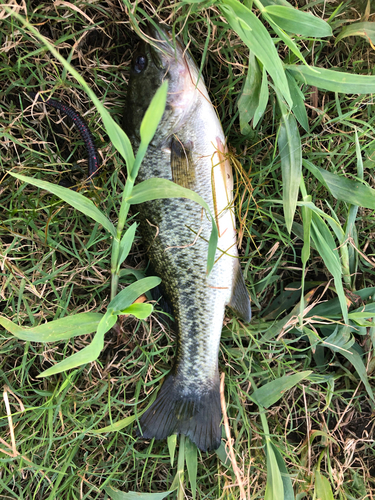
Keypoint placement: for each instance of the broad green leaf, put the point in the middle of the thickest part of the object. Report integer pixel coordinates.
(263, 99)
(274, 486)
(131, 293)
(191, 458)
(271, 392)
(364, 29)
(298, 22)
(153, 114)
(299, 108)
(140, 311)
(248, 102)
(289, 42)
(134, 495)
(348, 190)
(287, 482)
(323, 489)
(327, 248)
(341, 340)
(334, 81)
(89, 353)
(255, 35)
(60, 329)
(126, 244)
(156, 189)
(266, 3)
(172, 443)
(289, 142)
(74, 199)
(150, 123)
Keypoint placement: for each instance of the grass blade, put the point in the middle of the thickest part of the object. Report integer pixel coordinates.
(191, 458)
(248, 102)
(297, 21)
(133, 495)
(270, 393)
(274, 486)
(365, 29)
(325, 244)
(89, 353)
(341, 340)
(350, 191)
(140, 311)
(60, 329)
(289, 142)
(299, 108)
(131, 293)
(323, 489)
(254, 34)
(126, 244)
(76, 200)
(263, 99)
(334, 81)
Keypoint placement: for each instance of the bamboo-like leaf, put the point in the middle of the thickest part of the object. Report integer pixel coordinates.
(156, 189)
(342, 341)
(126, 244)
(298, 22)
(263, 99)
(172, 443)
(129, 294)
(191, 458)
(254, 34)
(364, 29)
(323, 489)
(289, 142)
(140, 311)
(287, 482)
(248, 102)
(153, 114)
(60, 329)
(74, 199)
(327, 248)
(274, 486)
(271, 392)
(150, 123)
(299, 108)
(344, 189)
(89, 353)
(334, 81)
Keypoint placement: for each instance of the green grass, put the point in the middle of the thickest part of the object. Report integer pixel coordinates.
(55, 261)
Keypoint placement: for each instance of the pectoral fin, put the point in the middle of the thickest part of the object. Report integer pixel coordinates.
(240, 302)
(181, 164)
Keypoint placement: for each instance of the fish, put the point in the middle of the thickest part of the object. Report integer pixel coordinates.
(188, 148)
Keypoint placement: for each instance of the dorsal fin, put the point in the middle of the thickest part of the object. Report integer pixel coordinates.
(181, 163)
(240, 302)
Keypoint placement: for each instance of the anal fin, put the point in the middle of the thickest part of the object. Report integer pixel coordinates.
(240, 301)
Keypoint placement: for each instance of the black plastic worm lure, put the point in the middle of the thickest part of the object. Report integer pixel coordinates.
(82, 127)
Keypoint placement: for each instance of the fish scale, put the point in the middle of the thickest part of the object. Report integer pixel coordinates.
(188, 148)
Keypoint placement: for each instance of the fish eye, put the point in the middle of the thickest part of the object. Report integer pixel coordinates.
(140, 63)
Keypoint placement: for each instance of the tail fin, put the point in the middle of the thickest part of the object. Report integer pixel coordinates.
(197, 415)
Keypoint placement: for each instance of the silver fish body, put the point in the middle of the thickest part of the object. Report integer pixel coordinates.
(189, 149)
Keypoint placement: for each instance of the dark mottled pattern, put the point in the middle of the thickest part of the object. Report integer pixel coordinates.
(189, 400)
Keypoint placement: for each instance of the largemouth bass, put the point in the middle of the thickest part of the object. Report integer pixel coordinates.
(188, 149)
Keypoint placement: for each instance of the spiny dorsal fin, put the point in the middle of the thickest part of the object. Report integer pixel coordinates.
(181, 164)
(240, 302)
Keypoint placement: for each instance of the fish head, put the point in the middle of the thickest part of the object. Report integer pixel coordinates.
(164, 58)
